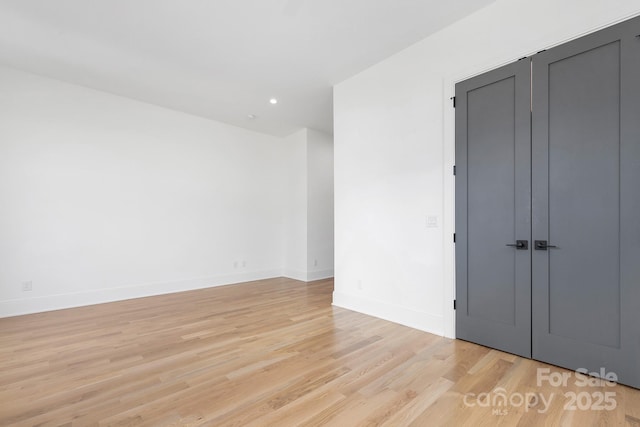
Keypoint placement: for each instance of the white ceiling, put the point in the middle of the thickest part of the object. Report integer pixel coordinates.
(220, 59)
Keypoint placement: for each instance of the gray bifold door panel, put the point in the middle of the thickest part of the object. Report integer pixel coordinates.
(493, 209)
(561, 171)
(586, 202)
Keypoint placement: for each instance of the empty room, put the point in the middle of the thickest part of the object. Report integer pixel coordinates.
(319, 213)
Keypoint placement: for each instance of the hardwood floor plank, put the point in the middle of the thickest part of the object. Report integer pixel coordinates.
(266, 353)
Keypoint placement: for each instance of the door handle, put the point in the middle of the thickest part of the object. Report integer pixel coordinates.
(520, 244)
(542, 245)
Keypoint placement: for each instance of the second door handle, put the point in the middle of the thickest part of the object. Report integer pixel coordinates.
(542, 245)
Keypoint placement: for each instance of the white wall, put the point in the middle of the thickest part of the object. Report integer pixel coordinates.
(295, 264)
(319, 205)
(309, 224)
(104, 198)
(393, 130)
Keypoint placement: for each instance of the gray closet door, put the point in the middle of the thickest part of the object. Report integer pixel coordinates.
(586, 203)
(493, 207)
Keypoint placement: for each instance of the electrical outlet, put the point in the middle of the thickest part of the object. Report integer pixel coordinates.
(315, 262)
(27, 286)
(360, 285)
(244, 263)
(235, 264)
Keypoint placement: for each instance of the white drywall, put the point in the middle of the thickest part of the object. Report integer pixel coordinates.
(295, 262)
(319, 205)
(309, 221)
(104, 198)
(393, 130)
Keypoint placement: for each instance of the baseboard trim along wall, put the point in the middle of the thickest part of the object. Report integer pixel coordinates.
(17, 307)
(391, 312)
(21, 306)
(319, 275)
(308, 276)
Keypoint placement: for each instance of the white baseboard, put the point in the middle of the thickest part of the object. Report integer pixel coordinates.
(319, 275)
(391, 312)
(17, 307)
(295, 274)
(308, 276)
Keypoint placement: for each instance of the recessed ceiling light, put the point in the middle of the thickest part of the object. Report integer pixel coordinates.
(251, 116)
(273, 101)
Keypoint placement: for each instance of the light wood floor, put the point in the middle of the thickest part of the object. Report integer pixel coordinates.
(274, 353)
